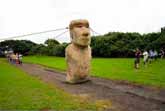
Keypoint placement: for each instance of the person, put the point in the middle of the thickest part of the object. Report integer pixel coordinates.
(16, 58)
(137, 58)
(155, 54)
(20, 58)
(162, 53)
(145, 57)
(13, 58)
(151, 55)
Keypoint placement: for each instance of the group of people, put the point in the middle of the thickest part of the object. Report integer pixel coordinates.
(147, 56)
(14, 58)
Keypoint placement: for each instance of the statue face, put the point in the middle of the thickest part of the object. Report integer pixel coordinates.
(80, 34)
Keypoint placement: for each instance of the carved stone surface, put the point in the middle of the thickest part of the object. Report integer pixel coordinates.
(78, 53)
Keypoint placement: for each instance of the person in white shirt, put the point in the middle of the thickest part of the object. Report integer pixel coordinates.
(145, 57)
(155, 54)
(151, 55)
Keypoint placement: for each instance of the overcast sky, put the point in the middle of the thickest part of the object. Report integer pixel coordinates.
(19, 17)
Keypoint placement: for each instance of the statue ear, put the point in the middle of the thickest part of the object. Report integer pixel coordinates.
(71, 39)
(71, 35)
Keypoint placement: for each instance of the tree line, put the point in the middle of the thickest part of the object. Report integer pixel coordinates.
(118, 44)
(112, 44)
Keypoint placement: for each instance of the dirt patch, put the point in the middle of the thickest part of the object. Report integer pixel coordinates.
(123, 97)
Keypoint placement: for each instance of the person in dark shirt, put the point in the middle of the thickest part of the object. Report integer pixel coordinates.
(137, 58)
(162, 53)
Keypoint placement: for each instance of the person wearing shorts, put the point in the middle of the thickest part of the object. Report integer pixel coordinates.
(137, 58)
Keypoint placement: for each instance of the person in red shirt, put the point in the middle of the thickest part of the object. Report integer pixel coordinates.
(137, 58)
(162, 53)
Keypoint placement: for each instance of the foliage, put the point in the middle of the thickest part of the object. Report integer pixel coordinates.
(117, 44)
(39, 49)
(52, 48)
(59, 50)
(51, 42)
(22, 46)
(117, 69)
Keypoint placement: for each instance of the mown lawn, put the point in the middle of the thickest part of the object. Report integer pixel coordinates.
(19, 91)
(117, 69)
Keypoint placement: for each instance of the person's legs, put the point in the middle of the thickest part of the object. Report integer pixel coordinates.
(135, 66)
(144, 62)
(137, 61)
(150, 59)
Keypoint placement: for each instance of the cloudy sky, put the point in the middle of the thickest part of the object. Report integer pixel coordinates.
(19, 17)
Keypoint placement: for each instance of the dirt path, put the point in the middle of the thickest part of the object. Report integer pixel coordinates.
(124, 97)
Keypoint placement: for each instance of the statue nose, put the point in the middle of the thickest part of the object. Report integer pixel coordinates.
(86, 34)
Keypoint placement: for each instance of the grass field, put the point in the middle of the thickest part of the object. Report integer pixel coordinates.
(19, 91)
(117, 69)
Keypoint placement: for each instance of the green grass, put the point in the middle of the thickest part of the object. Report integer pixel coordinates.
(123, 69)
(49, 61)
(20, 91)
(116, 69)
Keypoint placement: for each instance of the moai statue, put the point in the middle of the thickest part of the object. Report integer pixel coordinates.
(78, 53)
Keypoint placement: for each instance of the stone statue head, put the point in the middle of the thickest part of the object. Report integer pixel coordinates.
(80, 32)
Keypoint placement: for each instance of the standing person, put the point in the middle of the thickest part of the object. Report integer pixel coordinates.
(13, 58)
(145, 57)
(137, 58)
(20, 58)
(155, 54)
(151, 55)
(162, 53)
(17, 58)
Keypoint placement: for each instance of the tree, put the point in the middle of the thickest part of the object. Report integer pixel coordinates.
(21, 46)
(52, 42)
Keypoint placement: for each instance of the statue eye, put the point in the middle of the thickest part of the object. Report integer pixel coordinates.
(79, 26)
(87, 26)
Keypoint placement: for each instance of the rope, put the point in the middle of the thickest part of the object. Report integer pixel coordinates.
(33, 33)
(19, 36)
(94, 31)
(60, 34)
